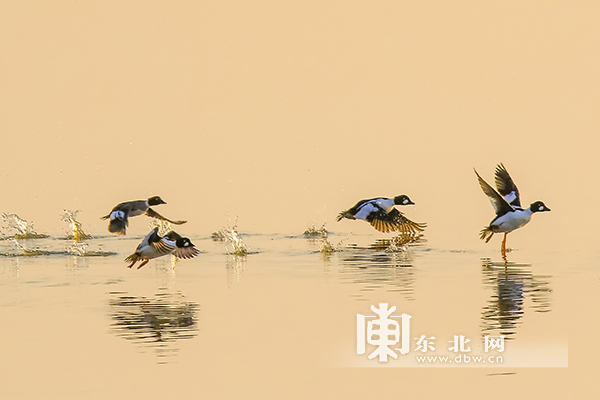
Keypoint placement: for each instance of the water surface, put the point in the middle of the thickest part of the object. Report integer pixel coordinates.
(282, 317)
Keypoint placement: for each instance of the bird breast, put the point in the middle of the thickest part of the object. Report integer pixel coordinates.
(512, 220)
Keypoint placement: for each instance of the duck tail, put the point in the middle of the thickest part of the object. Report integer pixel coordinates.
(344, 214)
(486, 234)
(132, 259)
(117, 226)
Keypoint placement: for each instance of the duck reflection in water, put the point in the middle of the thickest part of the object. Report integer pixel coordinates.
(386, 263)
(511, 285)
(157, 322)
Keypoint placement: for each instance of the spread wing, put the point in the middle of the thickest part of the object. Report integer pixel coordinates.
(393, 221)
(163, 247)
(500, 205)
(506, 187)
(153, 214)
(186, 252)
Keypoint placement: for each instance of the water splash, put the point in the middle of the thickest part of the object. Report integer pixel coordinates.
(79, 247)
(19, 228)
(30, 252)
(326, 247)
(312, 232)
(77, 234)
(218, 236)
(233, 242)
(164, 227)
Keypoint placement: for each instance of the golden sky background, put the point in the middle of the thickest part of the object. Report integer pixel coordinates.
(285, 113)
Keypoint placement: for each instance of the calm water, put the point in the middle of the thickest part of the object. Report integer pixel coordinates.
(281, 321)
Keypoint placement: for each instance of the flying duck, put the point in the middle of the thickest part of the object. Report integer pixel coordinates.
(509, 213)
(153, 246)
(119, 216)
(380, 213)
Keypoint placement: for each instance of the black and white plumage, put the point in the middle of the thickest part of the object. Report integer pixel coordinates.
(382, 215)
(154, 246)
(507, 203)
(119, 215)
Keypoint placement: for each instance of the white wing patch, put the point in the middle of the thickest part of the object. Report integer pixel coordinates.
(365, 210)
(510, 197)
(168, 242)
(117, 215)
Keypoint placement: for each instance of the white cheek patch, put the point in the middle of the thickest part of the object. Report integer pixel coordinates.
(542, 208)
(117, 215)
(405, 201)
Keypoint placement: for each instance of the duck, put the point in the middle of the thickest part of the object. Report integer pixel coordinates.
(119, 215)
(507, 204)
(154, 246)
(382, 215)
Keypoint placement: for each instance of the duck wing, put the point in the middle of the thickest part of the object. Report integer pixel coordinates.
(153, 214)
(163, 247)
(186, 252)
(498, 202)
(506, 187)
(393, 221)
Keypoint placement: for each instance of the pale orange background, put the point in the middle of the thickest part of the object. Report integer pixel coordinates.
(284, 113)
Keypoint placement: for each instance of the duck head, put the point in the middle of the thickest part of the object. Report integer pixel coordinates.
(402, 200)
